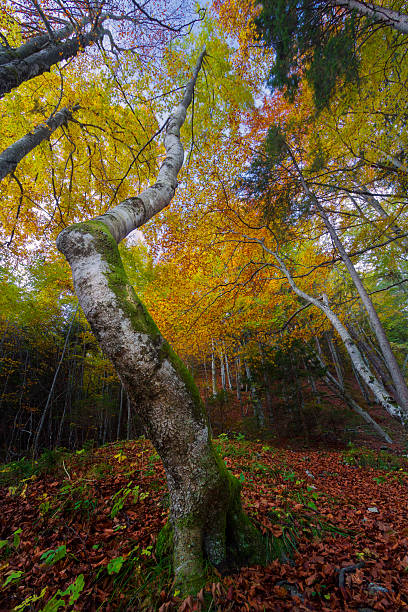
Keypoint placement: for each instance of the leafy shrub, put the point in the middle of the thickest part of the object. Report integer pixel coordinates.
(364, 457)
(15, 472)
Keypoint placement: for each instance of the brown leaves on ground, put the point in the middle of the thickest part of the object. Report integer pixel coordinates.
(107, 507)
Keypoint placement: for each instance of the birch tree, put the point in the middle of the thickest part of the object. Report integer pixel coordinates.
(376, 387)
(206, 517)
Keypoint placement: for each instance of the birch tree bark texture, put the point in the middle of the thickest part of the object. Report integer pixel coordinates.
(376, 387)
(206, 517)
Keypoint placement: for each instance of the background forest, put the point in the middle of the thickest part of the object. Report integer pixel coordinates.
(278, 273)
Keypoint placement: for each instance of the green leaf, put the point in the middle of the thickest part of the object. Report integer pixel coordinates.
(30, 600)
(52, 556)
(115, 565)
(16, 537)
(12, 578)
(74, 590)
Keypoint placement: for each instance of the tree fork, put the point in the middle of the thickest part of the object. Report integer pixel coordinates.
(206, 516)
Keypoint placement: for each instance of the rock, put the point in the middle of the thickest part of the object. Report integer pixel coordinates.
(374, 588)
(374, 509)
(292, 589)
(309, 474)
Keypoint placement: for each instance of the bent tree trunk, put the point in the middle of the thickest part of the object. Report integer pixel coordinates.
(206, 517)
(338, 389)
(376, 387)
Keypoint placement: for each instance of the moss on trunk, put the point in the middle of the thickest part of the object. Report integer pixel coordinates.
(222, 536)
(207, 520)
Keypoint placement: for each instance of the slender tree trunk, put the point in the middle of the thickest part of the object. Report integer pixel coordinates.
(376, 325)
(120, 413)
(20, 403)
(238, 377)
(51, 391)
(258, 410)
(379, 392)
(268, 396)
(67, 401)
(335, 357)
(10, 157)
(361, 385)
(335, 386)
(213, 372)
(222, 370)
(375, 360)
(206, 518)
(299, 403)
(227, 372)
(129, 418)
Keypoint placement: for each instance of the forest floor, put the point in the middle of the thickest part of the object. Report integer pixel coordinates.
(81, 533)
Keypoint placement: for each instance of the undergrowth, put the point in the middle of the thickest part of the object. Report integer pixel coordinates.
(96, 515)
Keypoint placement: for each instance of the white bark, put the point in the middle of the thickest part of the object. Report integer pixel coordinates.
(238, 377)
(379, 392)
(376, 325)
(222, 370)
(134, 212)
(227, 372)
(333, 351)
(213, 371)
(393, 19)
(204, 497)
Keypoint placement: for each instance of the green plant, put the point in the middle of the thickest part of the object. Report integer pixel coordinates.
(74, 590)
(14, 472)
(52, 556)
(295, 525)
(75, 497)
(29, 601)
(100, 470)
(6, 546)
(364, 457)
(114, 566)
(120, 497)
(12, 577)
(17, 472)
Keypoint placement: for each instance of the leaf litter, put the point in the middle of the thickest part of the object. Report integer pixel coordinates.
(83, 537)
